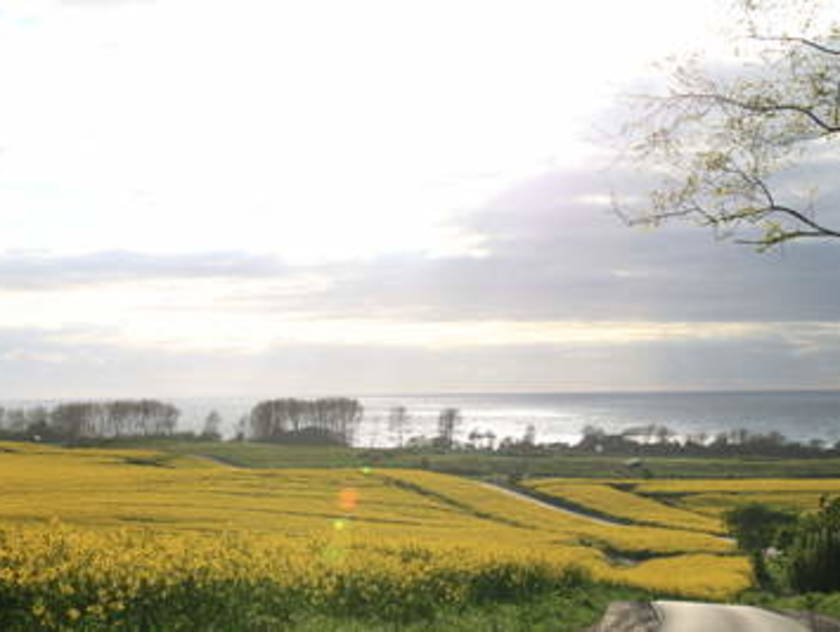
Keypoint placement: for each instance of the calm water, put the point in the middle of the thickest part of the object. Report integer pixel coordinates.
(560, 417)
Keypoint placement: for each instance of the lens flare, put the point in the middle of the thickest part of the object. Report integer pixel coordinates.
(348, 498)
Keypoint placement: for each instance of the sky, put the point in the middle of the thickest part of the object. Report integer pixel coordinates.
(206, 198)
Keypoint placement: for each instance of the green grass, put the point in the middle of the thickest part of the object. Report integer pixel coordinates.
(481, 464)
(568, 611)
(822, 603)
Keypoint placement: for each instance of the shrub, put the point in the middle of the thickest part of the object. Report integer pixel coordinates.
(812, 561)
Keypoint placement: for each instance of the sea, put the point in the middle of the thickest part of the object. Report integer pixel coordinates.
(560, 417)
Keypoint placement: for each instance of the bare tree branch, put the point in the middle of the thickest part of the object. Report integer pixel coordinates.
(799, 40)
(763, 109)
(819, 230)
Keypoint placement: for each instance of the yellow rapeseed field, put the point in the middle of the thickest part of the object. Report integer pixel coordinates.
(686, 503)
(95, 535)
(715, 504)
(715, 496)
(500, 507)
(607, 500)
(695, 486)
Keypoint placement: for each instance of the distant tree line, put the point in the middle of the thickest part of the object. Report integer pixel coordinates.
(327, 420)
(336, 420)
(76, 421)
(658, 440)
(636, 441)
(448, 424)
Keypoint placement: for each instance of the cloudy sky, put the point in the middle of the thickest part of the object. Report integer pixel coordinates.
(272, 198)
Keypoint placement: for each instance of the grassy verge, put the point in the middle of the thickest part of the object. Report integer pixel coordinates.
(823, 603)
(568, 611)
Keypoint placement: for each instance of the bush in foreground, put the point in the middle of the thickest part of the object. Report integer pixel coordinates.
(812, 556)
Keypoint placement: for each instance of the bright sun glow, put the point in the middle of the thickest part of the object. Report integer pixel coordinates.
(316, 131)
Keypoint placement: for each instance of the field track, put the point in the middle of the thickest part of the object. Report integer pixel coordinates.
(218, 461)
(577, 514)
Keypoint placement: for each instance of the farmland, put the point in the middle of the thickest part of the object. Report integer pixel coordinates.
(716, 496)
(92, 534)
(695, 504)
(108, 537)
(604, 498)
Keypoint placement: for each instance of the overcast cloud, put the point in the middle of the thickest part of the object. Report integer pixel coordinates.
(546, 253)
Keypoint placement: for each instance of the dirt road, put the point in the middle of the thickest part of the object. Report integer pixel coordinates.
(684, 616)
(536, 501)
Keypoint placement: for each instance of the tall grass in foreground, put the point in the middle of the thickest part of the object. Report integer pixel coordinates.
(63, 579)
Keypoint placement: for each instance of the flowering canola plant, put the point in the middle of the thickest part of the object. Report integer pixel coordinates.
(604, 498)
(715, 496)
(670, 486)
(110, 539)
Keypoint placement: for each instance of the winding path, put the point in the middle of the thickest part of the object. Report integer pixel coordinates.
(685, 616)
(217, 461)
(541, 503)
(584, 515)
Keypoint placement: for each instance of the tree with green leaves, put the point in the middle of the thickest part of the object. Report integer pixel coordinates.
(755, 528)
(739, 145)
